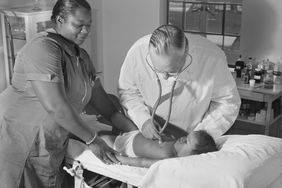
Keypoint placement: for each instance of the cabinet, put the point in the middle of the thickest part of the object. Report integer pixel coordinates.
(19, 25)
(269, 100)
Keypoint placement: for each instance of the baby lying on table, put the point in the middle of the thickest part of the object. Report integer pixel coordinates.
(136, 150)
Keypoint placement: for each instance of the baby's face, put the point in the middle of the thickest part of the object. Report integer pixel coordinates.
(185, 145)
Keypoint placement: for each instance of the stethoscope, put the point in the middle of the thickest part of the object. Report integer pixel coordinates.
(166, 77)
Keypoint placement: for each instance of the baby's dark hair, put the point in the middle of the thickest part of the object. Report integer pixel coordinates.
(205, 143)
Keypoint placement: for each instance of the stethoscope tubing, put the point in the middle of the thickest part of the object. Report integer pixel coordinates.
(161, 129)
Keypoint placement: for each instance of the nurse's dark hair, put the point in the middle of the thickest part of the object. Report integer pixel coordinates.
(205, 143)
(63, 8)
(167, 36)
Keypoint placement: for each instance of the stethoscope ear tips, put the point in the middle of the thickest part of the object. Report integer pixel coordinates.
(166, 76)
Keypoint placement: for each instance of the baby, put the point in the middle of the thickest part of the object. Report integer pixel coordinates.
(136, 150)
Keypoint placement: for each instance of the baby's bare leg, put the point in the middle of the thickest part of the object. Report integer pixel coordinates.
(136, 161)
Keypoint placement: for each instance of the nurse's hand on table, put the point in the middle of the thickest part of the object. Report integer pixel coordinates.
(103, 151)
(150, 131)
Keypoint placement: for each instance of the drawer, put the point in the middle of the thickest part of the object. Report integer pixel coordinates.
(250, 95)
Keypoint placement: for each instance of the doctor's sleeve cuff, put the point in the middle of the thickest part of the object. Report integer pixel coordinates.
(219, 118)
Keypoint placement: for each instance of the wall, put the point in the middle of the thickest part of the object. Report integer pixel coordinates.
(123, 22)
(10, 3)
(262, 29)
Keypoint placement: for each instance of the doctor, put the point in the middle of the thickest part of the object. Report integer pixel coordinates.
(183, 80)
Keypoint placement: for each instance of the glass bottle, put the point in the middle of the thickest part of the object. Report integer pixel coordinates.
(268, 79)
(258, 75)
(239, 65)
(245, 75)
(250, 68)
(277, 77)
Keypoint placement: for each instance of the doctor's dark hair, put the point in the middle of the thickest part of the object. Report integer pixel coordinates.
(63, 8)
(205, 143)
(167, 36)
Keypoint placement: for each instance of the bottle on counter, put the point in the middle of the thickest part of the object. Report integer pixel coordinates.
(258, 75)
(277, 77)
(249, 66)
(266, 65)
(262, 68)
(239, 65)
(268, 79)
(245, 75)
(247, 72)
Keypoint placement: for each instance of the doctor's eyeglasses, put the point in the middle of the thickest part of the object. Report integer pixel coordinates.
(165, 74)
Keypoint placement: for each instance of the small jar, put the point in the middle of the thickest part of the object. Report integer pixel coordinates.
(258, 75)
(239, 65)
(277, 77)
(268, 80)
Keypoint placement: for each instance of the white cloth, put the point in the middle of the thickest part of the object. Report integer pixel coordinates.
(205, 97)
(80, 152)
(124, 143)
(244, 161)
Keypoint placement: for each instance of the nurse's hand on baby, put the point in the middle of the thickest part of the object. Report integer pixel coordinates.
(149, 130)
(103, 151)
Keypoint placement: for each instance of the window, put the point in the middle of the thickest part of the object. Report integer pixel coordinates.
(217, 20)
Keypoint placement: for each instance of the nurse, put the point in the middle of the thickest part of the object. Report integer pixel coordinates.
(53, 81)
(179, 78)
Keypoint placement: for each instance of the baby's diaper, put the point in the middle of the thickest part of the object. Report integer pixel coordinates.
(124, 143)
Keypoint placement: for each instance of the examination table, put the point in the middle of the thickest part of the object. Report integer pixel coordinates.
(243, 161)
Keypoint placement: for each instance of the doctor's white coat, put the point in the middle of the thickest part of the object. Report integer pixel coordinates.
(205, 96)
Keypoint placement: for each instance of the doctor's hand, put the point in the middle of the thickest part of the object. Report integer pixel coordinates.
(150, 131)
(103, 151)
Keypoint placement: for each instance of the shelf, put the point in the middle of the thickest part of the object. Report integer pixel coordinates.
(251, 121)
(263, 123)
(275, 119)
(27, 11)
(19, 36)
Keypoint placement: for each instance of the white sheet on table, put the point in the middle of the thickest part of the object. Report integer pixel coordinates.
(252, 161)
(244, 161)
(78, 151)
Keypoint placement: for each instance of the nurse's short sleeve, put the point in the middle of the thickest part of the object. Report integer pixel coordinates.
(43, 60)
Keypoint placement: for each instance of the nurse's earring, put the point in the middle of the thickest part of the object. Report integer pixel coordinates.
(60, 20)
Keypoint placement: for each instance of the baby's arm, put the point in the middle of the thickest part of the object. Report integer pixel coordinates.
(148, 151)
(147, 148)
(135, 161)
